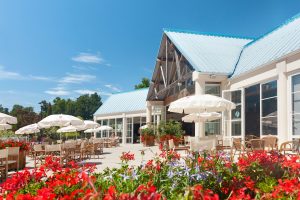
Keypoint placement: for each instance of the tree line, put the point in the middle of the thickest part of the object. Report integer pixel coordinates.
(84, 107)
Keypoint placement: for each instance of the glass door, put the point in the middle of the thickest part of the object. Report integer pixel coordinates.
(129, 135)
(233, 120)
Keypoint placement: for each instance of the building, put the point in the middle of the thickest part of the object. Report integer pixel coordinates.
(261, 75)
(125, 112)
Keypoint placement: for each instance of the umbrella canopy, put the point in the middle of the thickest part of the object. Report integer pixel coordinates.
(88, 124)
(90, 130)
(29, 129)
(7, 119)
(60, 120)
(104, 128)
(201, 103)
(67, 129)
(144, 127)
(201, 117)
(4, 127)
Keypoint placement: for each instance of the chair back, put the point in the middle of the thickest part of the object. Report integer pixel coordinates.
(237, 143)
(270, 142)
(53, 148)
(171, 144)
(4, 153)
(257, 144)
(37, 147)
(250, 137)
(4, 160)
(13, 151)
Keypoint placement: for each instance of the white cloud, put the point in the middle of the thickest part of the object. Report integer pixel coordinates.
(114, 88)
(105, 93)
(58, 91)
(4, 74)
(85, 91)
(41, 78)
(88, 58)
(77, 78)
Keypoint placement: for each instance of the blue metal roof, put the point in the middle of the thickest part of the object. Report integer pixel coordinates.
(206, 52)
(270, 47)
(124, 102)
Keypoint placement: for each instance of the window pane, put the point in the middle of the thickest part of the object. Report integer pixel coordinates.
(236, 96)
(213, 127)
(269, 89)
(296, 124)
(296, 103)
(213, 90)
(269, 126)
(296, 83)
(269, 107)
(236, 128)
(236, 113)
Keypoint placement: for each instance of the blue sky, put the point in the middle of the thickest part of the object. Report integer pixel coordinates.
(71, 47)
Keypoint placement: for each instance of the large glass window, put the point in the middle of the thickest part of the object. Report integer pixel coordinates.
(129, 130)
(296, 105)
(236, 114)
(119, 128)
(252, 110)
(213, 127)
(112, 124)
(269, 108)
(104, 134)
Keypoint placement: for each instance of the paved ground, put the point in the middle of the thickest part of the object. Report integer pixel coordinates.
(111, 156)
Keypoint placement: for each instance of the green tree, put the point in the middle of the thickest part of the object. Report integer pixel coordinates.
(25, 116)
(3, 109)
(46, 109)
(144, 84)
(86, 105)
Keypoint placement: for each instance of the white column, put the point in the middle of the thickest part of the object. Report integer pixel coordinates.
(157, 119)
(282, 120)
(199, 89)
(124, 131)
(149, 113)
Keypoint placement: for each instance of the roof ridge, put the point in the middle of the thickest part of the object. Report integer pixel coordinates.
(206, 34)
(286, 22)
(135, 90)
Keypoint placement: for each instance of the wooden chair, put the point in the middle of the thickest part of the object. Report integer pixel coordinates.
(13, 157)
(237, 147)
(186, 140)
(53, 150)
(290, 147)
(38, 153)
(270, 142)
(257, 144)
(3, 164)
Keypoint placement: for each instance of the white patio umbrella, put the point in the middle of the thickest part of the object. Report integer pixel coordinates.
(144, 127)
(4, 127)
(29, 129)
(7, 119)
(104, 128)
(90, 130)
(67, 129)
(201, 117)
(201, 103)
(88, 124)
(60, 120)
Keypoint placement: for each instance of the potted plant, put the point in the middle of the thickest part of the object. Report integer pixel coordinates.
(170, 130)
(148, 136)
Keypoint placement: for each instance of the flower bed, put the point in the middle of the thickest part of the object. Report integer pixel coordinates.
(254, 176)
